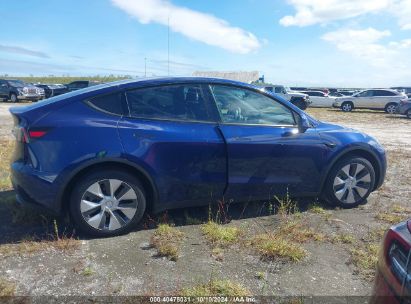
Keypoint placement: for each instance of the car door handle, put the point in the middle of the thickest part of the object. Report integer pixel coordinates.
(330, 144)
(289, 133)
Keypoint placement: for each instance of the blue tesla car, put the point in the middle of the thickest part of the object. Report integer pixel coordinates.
(108, 153)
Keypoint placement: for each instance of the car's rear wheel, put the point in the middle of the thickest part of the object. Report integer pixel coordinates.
(347, 106)
(107, 203)
(350, 182)
(408, 114)
(13, 97)
(391, 108)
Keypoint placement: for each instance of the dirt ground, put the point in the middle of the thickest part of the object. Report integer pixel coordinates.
(128, 265)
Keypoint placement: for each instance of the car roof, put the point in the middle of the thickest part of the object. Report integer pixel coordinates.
(164, 80)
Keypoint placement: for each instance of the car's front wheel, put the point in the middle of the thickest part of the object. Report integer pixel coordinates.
(350, 182)
(408, 114)
(347, 106)
(107, 203)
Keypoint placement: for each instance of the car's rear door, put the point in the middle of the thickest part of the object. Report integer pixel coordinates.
(171, 132)
(267, 155)
(3, 89)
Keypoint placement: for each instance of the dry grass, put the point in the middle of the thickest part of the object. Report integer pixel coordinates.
(298, 231)
(222, 288)
(27, 247)
(167, 241)
(365, 259)
(219, 235)
(344, 238)
(7, 288)
(271, 246)
(6, 150)
(394, 215)
(315, 208)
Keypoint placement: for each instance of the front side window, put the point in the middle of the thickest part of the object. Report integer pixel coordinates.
(176, 102)
(365, 94)
(237, 105)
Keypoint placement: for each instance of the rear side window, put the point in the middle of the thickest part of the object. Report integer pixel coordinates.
(384, 93)
(176, 102)
(109, 103)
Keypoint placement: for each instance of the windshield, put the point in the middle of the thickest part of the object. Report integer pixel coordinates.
(16, 83)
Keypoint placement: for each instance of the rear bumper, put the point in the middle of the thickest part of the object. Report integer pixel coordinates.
(33, 188)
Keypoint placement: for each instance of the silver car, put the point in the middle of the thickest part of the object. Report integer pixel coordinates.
(375, 99)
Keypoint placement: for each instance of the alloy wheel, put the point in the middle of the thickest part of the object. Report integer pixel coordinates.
(391, 109)
(109, 204)
(347, 107)
(352, 183)
(409, 114)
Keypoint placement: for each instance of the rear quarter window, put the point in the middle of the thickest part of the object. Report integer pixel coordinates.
(108, 103)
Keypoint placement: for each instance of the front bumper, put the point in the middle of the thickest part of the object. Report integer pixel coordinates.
(402, 109)
(23, 96)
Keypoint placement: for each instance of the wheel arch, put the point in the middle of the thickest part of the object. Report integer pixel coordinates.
(359, 152)
(147, 182)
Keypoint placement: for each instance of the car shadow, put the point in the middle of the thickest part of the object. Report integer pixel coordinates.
(21, 223)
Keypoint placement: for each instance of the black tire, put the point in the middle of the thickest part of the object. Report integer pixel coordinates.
(345, 195)
(391, 108)
(101, 176)
(347, 106)
(408, 114)
(13, 97)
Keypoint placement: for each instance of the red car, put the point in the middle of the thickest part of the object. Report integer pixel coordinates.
(393, 280)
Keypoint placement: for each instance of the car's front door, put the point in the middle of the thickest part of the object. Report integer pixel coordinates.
(171, 132)
(364, 99)
(267, 154)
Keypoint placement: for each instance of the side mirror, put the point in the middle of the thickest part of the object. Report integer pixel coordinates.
(304, 123)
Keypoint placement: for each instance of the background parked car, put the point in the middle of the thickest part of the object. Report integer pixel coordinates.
(393, 279)
(15, 90)
(319, 99)
(51, 90)
(80, 84)
(298, 99)
(376, 99)
(404, 108)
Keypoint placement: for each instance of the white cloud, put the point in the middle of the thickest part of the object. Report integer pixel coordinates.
(367, 45)
(402, 10)
(310, 12)
(23, 51)
(193, 24)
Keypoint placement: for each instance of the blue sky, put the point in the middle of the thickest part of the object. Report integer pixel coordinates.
(292, 42)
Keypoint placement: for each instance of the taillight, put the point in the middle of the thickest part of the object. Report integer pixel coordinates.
(37, 134)
(398, 258)
(397, 252)
(24, 136)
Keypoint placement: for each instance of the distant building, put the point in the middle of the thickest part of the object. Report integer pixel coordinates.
(242, 76)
